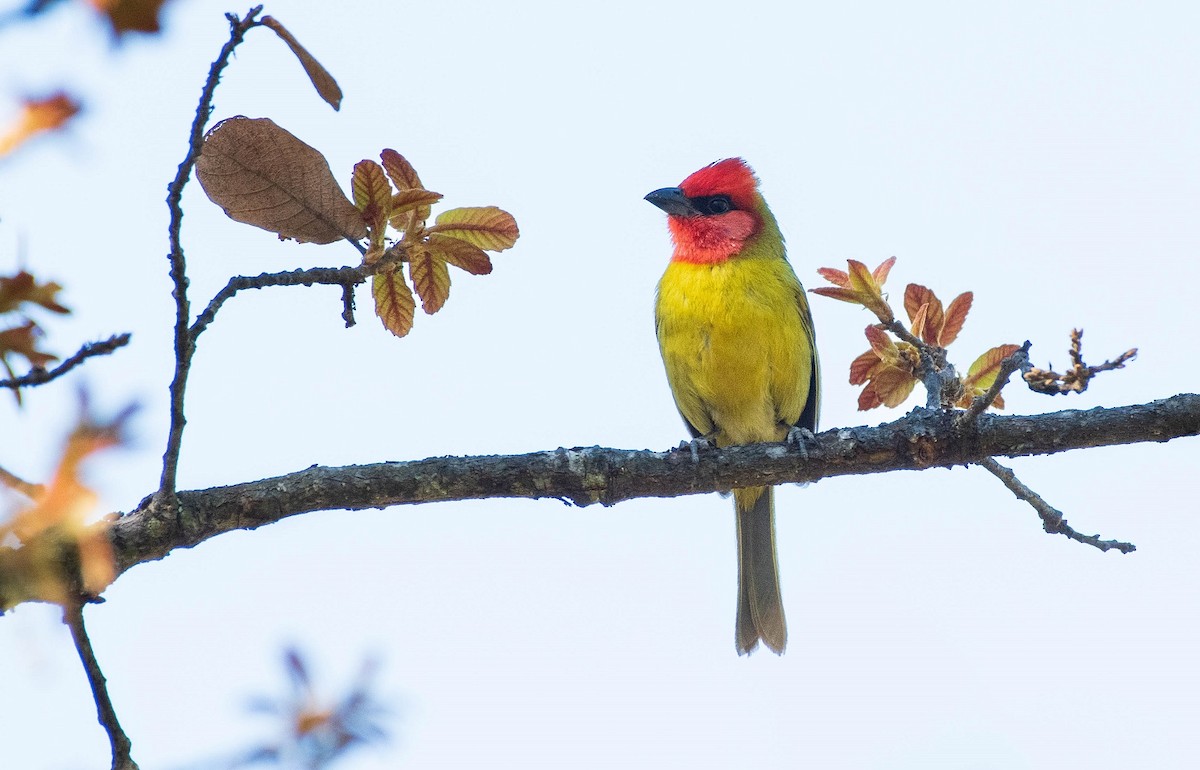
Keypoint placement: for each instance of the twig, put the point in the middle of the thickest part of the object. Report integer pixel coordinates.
(27, 488)
(1052, 519)
(348, 304)
(105, 713)
(346, 277)
(42, 376)
(1076, 379)
(1009, 365)
(184, 346)
(936, 373)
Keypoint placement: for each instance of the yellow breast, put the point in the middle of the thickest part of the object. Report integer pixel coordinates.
(737, 344)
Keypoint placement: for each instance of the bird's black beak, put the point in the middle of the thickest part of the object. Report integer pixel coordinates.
(673, 201)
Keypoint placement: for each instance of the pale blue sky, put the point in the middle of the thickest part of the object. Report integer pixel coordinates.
(1043, 155)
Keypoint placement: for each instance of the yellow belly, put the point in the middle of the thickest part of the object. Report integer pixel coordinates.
(733, 337)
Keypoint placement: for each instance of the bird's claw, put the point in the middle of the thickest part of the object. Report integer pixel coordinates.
(798, 439)
(695, 446)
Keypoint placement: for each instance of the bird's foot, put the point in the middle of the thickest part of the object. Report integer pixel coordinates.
(798, 438)
(697, 445)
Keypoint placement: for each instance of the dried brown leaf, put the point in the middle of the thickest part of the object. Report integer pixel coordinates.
(326, 86)
(262, 175)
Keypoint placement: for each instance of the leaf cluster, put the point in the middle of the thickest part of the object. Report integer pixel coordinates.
(899, 358)
(262, 175)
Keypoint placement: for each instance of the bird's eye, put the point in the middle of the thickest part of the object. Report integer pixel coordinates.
(718, 204)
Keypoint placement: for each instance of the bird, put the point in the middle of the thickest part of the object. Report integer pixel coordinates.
(737, 342)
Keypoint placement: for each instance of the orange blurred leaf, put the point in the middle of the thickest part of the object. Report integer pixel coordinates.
(57, 519)
(394, 302)
(484, 226)
(38, 116)
(262, 175)
(326, 86)
(130, 15)
(461, 254)
(859, 286)
(431, 279)
(23, 287)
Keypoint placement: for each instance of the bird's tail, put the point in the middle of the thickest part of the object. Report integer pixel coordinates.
(760, 606)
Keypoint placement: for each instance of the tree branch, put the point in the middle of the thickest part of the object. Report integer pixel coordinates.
(1007, 367)
(184, 345)
(346, 277)
(1052, 518)
(90, 349)
(105, 713)
(583, 476)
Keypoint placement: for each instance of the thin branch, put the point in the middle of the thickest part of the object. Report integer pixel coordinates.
(1052, 518)
(1009, 365)
(584, 476)
(42, 376)
(105, 713)
(184, 346)
(1077, 378)
(937, 374)
(346, 277)
(348, 304)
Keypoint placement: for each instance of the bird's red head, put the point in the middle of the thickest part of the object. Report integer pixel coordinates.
(713, 212)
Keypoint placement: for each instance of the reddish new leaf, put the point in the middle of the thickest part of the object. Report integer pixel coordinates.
(402, 173)
(484, 226)
(326, 86)
(956, 316)
(860, 368)
(916, 297)
(982, 374)
(431, 279)
(461, 254)
(405, 177)
(414, 199)
(859, 286)
(264, 176)
(892, 386)
(373, 197)
(394, 302)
